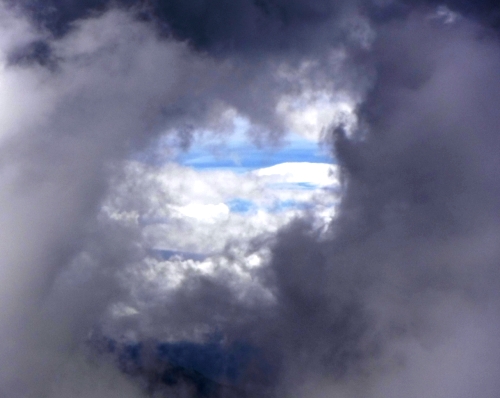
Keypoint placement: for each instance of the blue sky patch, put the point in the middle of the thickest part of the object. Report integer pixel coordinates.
(242, 155)
(168, 254)
(239, 205)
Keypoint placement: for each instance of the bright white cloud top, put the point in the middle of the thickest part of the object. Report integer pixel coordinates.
(210, 219)
(212, 207)
(315, 175)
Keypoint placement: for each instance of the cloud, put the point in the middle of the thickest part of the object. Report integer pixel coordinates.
(63, 134)
(218, 27)
(208, 209)
(397, 296)
(420, 207)
(112, 87)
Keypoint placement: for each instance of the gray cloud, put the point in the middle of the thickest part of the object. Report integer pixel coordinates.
(218, 27)
(413, 243)
(400, 289)
(399, 297)
(63, 133)
(112, 86)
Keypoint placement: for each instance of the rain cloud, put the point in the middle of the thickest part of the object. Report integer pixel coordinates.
(396, 295)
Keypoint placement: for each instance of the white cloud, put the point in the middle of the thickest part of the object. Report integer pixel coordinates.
(317, 102)
(180, 208)
(312, 112)
(316, 174)
(186, 216)
(203, 212)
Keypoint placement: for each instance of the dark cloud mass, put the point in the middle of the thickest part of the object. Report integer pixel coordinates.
(216, 26)
(221, 26)
(396, 296)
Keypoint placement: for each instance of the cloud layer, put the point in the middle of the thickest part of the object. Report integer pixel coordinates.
(397, 295)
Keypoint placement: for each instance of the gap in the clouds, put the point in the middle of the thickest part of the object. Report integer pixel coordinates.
(244, 156)
(290, 205)
(245, 206)
(233, 150)
(166, 255)
(240, 205)
(227, 187)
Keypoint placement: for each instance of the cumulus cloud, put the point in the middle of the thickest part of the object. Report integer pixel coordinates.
(210, 208)
(396, 296)
(111, 86)
(63, 130)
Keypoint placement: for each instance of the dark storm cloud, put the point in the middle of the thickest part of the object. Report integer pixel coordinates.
(216, 26)
(252, 26)
(397, 298)
(248, 26)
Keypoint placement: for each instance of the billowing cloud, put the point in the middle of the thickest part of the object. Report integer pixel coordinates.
(109, 287)
(76, 106)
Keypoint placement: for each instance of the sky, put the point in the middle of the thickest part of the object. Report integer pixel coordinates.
(268, 198)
